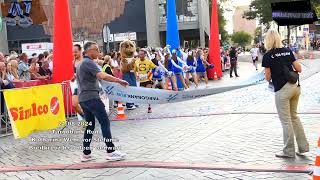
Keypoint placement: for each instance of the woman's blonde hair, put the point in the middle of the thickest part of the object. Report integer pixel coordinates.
(13, 57)
(272, 40)
(9, 63)
(100, 62)
(14, 68)
(107, 59)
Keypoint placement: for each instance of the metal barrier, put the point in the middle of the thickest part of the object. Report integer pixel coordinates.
(67, 97)
(5, 124)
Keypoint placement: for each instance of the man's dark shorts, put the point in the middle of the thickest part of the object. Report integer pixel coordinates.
(145, 84)
(255, 59)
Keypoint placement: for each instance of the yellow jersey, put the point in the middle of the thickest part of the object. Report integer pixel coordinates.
(143, 68)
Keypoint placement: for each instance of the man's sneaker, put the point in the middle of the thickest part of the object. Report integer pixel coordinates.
(282, 155)
(116, 156)
(131, 108)
(85, 158)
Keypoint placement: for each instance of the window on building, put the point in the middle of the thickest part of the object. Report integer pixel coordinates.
(16, 45)
(187, 10)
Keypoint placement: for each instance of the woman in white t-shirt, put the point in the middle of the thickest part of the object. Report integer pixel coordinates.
(115, 65)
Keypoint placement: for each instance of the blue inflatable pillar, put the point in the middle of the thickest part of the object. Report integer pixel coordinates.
(172, 35)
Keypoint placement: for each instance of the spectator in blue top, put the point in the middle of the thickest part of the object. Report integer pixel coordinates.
(23, 68)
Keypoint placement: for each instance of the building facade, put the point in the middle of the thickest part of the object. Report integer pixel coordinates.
(3, 37)
(148, 20)
(300, 36)
(242, 24)
(144, 21)
(87, 23)
(193, 22)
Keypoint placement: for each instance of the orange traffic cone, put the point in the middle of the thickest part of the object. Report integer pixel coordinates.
(316, 170)
(169, 85)
(121, 115)
(215, 77)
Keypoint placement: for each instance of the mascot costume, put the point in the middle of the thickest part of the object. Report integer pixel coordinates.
(127, 61)
(127, 50)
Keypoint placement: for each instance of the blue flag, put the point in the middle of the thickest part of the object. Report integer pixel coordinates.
(172, 25)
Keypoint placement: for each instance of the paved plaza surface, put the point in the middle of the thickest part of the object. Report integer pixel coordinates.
(238, 130)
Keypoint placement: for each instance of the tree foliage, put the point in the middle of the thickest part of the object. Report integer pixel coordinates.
(261, 9)
(241, 38)
(222, 24)
(317, 8)
(257, 35)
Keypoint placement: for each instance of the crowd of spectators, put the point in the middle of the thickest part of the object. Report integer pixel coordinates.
(16, 68)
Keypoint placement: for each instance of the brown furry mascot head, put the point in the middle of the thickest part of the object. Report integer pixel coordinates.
(127, 50)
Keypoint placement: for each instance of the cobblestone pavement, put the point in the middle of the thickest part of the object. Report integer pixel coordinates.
(250, 138)
(148, 174)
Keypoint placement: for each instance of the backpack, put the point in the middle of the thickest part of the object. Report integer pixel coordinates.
(291, 76)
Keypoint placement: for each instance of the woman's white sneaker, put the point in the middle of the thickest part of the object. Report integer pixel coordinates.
(116, 156)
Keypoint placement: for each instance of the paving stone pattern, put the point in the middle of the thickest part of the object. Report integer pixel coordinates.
(237, 139)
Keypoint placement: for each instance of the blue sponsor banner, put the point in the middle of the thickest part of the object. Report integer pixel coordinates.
(139, 95)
